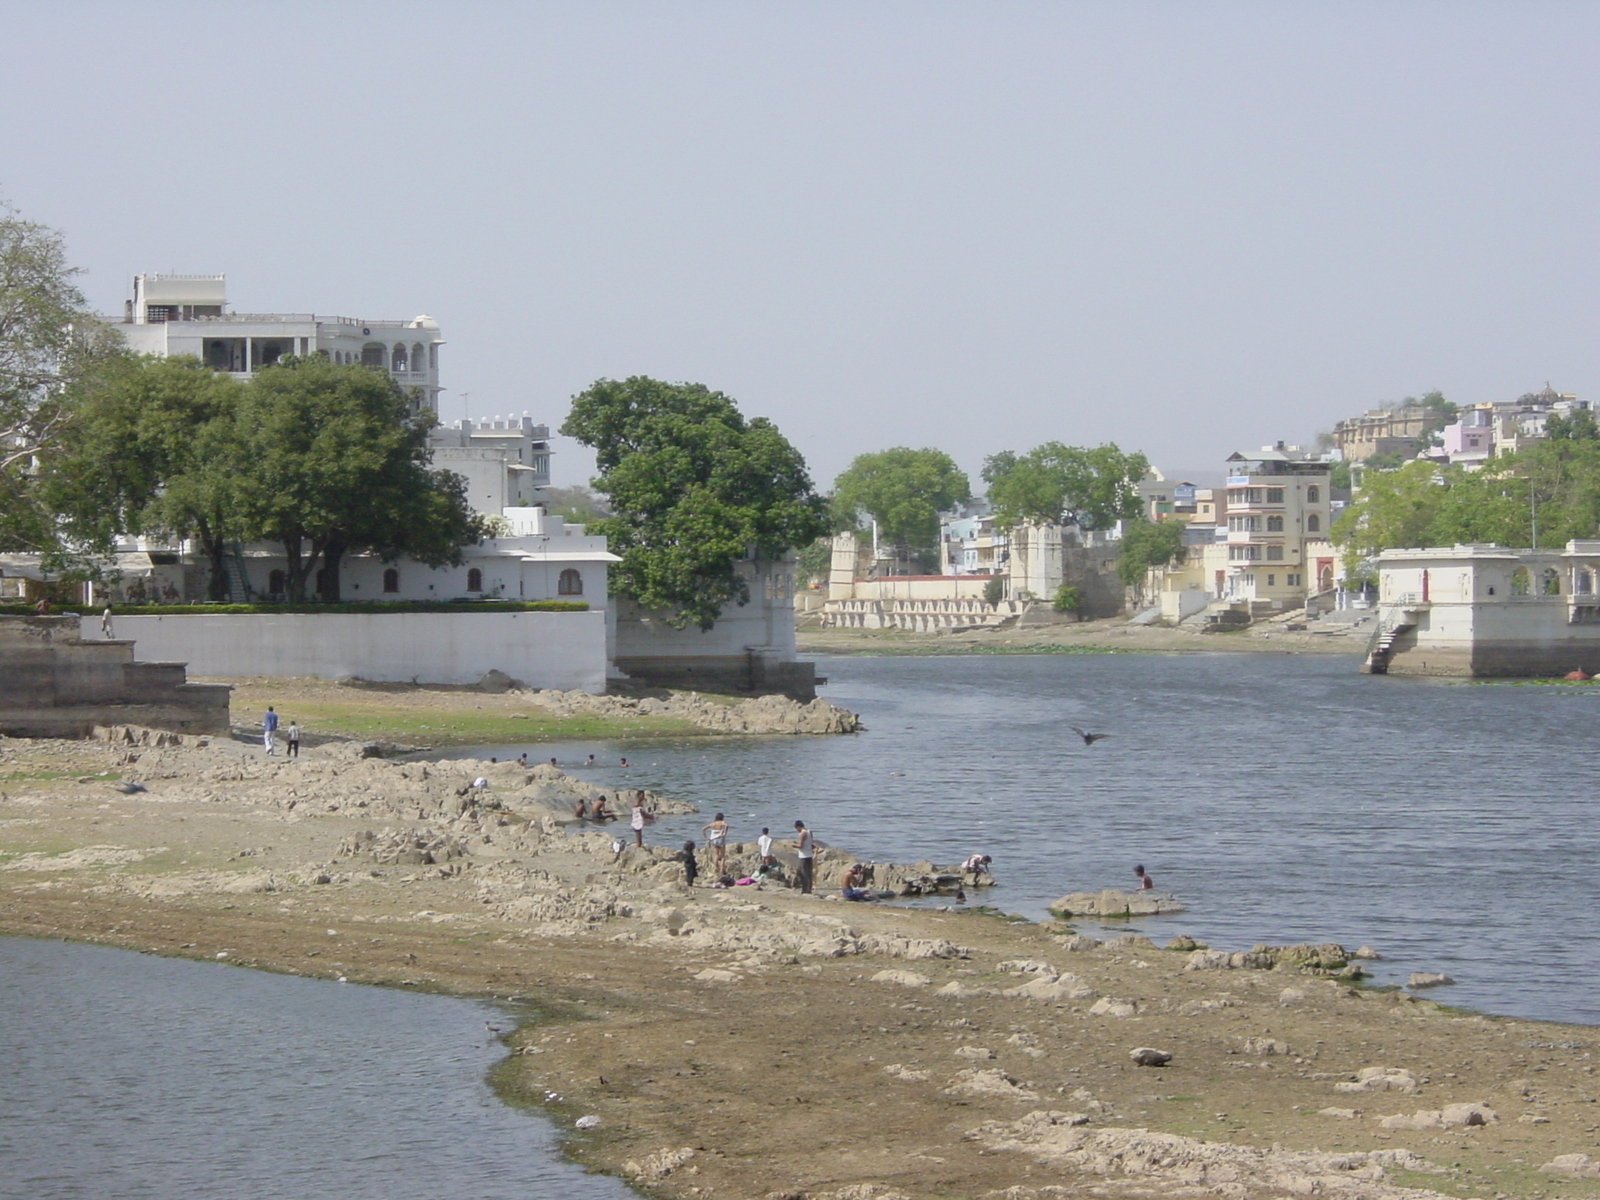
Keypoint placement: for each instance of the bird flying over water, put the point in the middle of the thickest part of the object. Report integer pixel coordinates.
(1089, 739)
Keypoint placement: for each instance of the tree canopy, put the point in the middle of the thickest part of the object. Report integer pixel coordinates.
(904, 491)
(1054, 484)
(694, 488)
(333, 463)
(1544, 495)
(50, 345)
(1146, 544)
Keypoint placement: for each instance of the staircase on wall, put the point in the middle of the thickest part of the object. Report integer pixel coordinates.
(1390, 629)
(234, 576)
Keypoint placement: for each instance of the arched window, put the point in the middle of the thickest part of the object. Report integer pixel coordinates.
(570, 584)
(474, 580)
(270, 352)
(1550, 582)
(417, 358)
(1313, 494)
(1585, 583)
(1519, 581)
(372, 355)
(277, 583)
(1325, 579)
(397, 361)
(391, 580)
(1313, 523)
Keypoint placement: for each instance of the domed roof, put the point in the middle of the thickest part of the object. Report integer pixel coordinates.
(424, 322)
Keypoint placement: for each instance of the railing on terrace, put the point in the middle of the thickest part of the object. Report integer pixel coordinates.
(309, 318)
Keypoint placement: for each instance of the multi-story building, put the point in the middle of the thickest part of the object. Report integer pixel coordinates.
(1277, 504)
(171, 315)
(1486, 431)
(1382, 431)
(505, 460)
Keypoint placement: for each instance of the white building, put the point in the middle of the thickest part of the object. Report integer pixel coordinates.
(1487, 610)
(173, 315)
(505, 460)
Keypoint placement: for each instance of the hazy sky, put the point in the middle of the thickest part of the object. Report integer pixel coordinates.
(1182, 227)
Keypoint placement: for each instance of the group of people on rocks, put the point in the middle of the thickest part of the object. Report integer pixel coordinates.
(715, 832)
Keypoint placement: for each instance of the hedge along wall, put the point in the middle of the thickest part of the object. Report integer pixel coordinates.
(542, 649)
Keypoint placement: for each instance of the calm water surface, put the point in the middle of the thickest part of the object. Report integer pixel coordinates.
(1283, 798)
(129, 1076)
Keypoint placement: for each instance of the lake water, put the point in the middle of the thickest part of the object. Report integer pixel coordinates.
(132, 1076)
(1282, 798)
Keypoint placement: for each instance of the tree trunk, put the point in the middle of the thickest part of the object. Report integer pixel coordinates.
(296, 569)
(333, 552)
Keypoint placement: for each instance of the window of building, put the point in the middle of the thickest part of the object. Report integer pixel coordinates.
(1519, 581)
(397, 360)
(1584, 584)
(277, 583)
(1550, 582)
(1244, 553)
(1274, 524)
(1274, 495)
(1272, 581)
(570, 583)
(1313, 523)
(391, 580)
(1275, 552)
(416, 357)
(474, 580)
(1291, 580)
(1313, 494)
(372, 355)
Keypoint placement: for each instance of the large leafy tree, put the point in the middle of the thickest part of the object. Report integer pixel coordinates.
(1054, 484)
(694, 488)
(904, 491)
(332, 462)
(50, 345)
(152, 448)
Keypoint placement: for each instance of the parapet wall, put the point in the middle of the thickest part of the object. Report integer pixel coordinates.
(565, 650)
(55, 683)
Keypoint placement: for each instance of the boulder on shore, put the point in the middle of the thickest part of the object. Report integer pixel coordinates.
(1114, 902)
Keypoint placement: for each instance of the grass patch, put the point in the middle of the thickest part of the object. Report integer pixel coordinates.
(369, 720)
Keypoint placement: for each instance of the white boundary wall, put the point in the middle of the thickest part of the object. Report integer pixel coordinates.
(541, 649)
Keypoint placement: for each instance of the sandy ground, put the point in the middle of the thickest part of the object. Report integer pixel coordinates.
(1047, 635)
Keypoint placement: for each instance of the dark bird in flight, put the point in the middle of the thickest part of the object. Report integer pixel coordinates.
(1089, 739)
(128, 787)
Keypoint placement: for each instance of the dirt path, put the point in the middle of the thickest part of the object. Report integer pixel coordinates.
(750, 1043)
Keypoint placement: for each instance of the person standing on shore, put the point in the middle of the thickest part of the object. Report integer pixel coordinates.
(105, 623)
(291, 737)
(269, 730)
(764, 846)
(805, 850)
(691, 869)
(717, 838)
(637, 820)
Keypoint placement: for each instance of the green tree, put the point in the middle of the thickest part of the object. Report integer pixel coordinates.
(50, 345)
(1147, 544)
(814, 561)
(1578, 426)
(1069, 599)
(1393, 509)
(1053, 484)
(695, 489)
(994, 591)
(904, 491)
(152, 449)
(332, 462)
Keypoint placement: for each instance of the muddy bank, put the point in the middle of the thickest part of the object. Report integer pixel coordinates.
(755, 1043)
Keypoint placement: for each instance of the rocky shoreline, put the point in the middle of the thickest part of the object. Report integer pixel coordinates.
(751, 1042)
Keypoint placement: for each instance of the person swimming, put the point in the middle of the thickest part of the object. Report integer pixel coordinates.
(1145, 882)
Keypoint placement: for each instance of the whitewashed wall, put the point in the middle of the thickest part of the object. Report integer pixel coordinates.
(547, 650)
